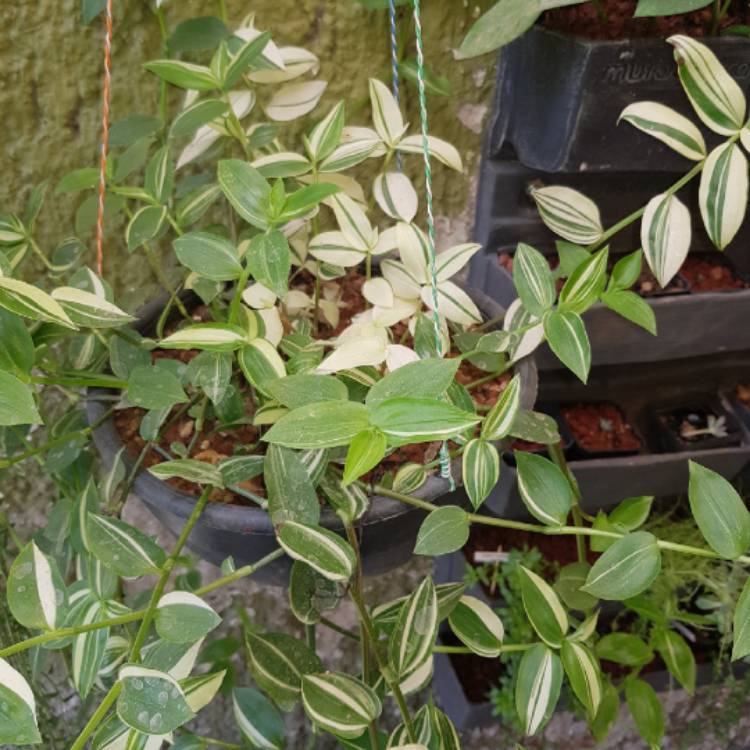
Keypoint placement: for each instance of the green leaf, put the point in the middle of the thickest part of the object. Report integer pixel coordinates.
(35, 590)
(585, 284)
(79, 179)
(677, 656)
(426, 378)
(197, 34)
(477, 626)
(31, 302)
(128, 130)
(501, 417)
(258, 719)
(632, 512)
(719, 511)
(543, 607)
(533, 279)
(17, 404)
(89, 310)
(310, 594)
(291, 494)
(538, 684)
(632, 307)
(243, 57)
(366, 451)
(146, 224)
(535, 427)
(444, 530)
(212, 373)
(196, 115)
(339, 704)
(323, 425)
(667, 7)
(567, 337)
(716, 97)
(302, 389)
(196, 203)
(741, 624)
(304, 200)
(411, 420)
(568, 585)
(481, 470)
(435, 85)
(645, 707)
(609, 710)
(505, 21)
(626, 569)
(723, 193)
(269, 260)
(321, 549)
(182, 617)
(260, 364)
(209, 255)
(247, 190)
(17, 709)
(154, 388)
(326, 134)
(544, 489)
(626, 271)
(183, 74)
(190, 469)
(121, 547)
(277, 662)
(213, 337)
(151, 701)
(159, 177)
(584, 674)
(413, 636)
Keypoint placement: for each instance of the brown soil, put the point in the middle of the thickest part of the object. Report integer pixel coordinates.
(476, 674)
(525, 445)
(351, 301)
(648, 286)
(710, 274)
(617, 21)
(600, 428)
(743, 393)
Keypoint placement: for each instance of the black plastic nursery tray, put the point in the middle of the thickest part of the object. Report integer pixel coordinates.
(687, 324)
(558, 99)
(643, 391)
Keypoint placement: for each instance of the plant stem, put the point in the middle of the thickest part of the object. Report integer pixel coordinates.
(71, 381)
(163, 113)
(223, 15)
(97, 717)
(331, 625)
(488, 378)
(558, 456)
(504, 649)
(310, 636)
(234, 305)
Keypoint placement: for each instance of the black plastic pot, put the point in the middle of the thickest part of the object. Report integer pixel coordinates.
(687, 325)
(558, 100)
(667, 423)
(387, 531)
(640, 389)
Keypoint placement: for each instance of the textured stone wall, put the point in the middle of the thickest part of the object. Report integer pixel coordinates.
(51, 77)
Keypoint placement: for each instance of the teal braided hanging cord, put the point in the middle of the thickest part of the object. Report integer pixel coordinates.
(445, 462)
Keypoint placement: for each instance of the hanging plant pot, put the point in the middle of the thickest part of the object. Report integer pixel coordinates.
(245, 532)
(559, 97)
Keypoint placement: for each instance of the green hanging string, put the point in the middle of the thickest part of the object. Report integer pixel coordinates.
(445, 462)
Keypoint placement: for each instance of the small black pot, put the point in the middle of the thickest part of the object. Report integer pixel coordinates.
(667, 420)
(387, 531)
(558, 100)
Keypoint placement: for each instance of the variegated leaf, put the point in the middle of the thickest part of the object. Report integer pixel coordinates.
(353, 223)
(477, 626)
(665, 235)
(544, 489)
(481, 469)
(89, 310)
(439, 149)
(543, 608)
(453, 303)
(215, 337)
(569, 214)
(260, 363)
(395, 194)
(258, 719)
(540, 675)
(18, 725)
(321, 549)
(533, 279)
(584, 286)
(413, 636)
(584, 674)
(293, 100)
(282, 164)
(668, 126)
(499, 419)
(326, 134)
(451, 261)
(31, 302)
(183, 617)
(386, 114)
(335, 248)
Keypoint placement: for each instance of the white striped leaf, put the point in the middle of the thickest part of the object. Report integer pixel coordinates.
(379, 293)
(723, 193)
(395, 194)
(122, 548)
(453, 303)
(212, 373)
(182, 617)
(439, 149)
(409, 478)
(190, 469)
(176, 659)
(518, 317)
(209, 255)
(35, 590)
(214, 337)
(260, 363)
(335, 248)
(444, 530)
(584, 674)
(665, 236)
(413, 636)
(147, 223)
(201, 690)
(386, 114)
(543, 608)
(310, 594)
(403, 283)
(30, 302)
(715, 95)
(89, 649)
(719, 511)
(115, 653)
(349, 154)
(282, 164)
(258, 719)
(668, 126)
(17, 709)
(350, 502)
(196, 115)
(293, 100)
(745, 137)
(451, 261)
(277, 662)
(419, 419)
(567, 337)
(159, 176)
(414, 251)
(17, 405)
(291, 492)
(353, 223)
(323, 425)
(538, 684)
(544, 489)
(448, 595)
(196, 203)
(626, 569)
(533, 279)
(326, 134)
(569, 214)
(111, 735)
(741, 624)
(480, 469)
(499, 420)
(585, 284)
(321, 549)
(339, 703)
(477, 626)
(151, 701)
(184, 74)
(246, 189)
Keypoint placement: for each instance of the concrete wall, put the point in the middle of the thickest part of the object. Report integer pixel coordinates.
(51, 78)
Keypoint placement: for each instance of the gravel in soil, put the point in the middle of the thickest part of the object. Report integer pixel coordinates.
(600, 428)
(710, 274)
